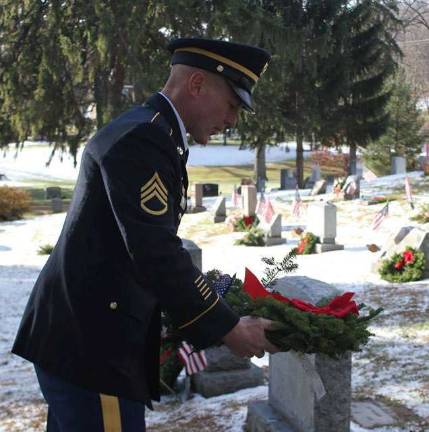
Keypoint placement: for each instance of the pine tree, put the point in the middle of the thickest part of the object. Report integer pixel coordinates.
(402, 136)
(250, 22)
(353, 103)
(64, 63)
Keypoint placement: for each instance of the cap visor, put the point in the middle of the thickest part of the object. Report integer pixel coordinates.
(244, 96)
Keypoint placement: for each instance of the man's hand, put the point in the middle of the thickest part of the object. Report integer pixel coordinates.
(247, 338)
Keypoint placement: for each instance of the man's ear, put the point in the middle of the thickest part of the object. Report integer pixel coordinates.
(196, 83)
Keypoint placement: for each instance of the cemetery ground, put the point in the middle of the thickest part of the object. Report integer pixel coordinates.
(393, 369)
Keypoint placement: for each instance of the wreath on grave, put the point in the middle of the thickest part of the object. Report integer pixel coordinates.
(423, 215)
(332, 327)
(338, 185)
(407, 266)
(379, 199)
(253, 237)
(307, 244)
(245, 223)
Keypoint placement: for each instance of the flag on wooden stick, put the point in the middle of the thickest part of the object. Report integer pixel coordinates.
(296, 204)
(268, 212)
(194, 361)
(260, 206)
(408, 192)
(235, 198)
(380, 216)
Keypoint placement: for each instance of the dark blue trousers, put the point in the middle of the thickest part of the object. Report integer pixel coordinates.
(74, 409)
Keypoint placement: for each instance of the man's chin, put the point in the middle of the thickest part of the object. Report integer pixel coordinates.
(201, 140)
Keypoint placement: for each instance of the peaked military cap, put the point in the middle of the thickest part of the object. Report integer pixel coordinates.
(241, 65)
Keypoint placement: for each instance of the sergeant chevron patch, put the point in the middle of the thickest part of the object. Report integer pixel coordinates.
(154, 196)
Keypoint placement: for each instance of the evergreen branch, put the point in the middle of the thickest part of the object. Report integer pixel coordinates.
(286, 265)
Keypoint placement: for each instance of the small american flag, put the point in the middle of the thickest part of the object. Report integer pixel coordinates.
(235, 198)
(194, 361)
(268, 211)
(222, 284)
(351, 188)
(260, 206)
(296, 204)
(408, 192)
(380, 216)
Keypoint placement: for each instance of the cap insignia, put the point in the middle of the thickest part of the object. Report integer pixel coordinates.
(264, 68)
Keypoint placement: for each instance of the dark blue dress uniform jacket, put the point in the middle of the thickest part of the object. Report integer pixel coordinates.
(93, 317)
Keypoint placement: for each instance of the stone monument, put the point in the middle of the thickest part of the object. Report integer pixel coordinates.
(322, 221)
(195, 253)
(416, 237)
(273, 231)
(249, 197)
(210, 189)
(307, 393)
(225, 373)
(56, 205)
(351, 188)
(53, 192)
(197, 199)
(287, 181)
(319, 187)
(219, 210)
(399, 165)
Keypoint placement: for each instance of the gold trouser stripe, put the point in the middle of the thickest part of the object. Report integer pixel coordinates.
(222, 59)
(111, 413)
(200, 315)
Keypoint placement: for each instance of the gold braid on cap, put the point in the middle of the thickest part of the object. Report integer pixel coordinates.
(222, 59)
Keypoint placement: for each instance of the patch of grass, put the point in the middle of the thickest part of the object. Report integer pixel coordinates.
(228, 176)
(200, 227)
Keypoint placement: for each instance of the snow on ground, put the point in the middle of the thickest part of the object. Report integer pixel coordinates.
(31, 160)
(393, 368)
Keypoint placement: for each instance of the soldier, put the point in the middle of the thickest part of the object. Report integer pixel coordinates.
(92, 323)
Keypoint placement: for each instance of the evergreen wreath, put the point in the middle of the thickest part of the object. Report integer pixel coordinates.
(423, 215)
(407, 266)
(246, 223)
(296, 329)
(307, 244)
(253, 237)
(170, 365)
(339, 183)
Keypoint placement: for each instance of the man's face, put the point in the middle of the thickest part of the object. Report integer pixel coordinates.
(218, 109)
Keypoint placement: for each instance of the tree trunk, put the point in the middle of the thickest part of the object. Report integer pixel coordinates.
(352, 159)
(100, 98)
(116, 88)
(260, 165)
(299, 158)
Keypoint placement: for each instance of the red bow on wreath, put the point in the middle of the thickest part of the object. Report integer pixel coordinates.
(339, 307)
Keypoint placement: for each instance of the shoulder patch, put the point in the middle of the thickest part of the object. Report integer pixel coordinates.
(154, 196)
